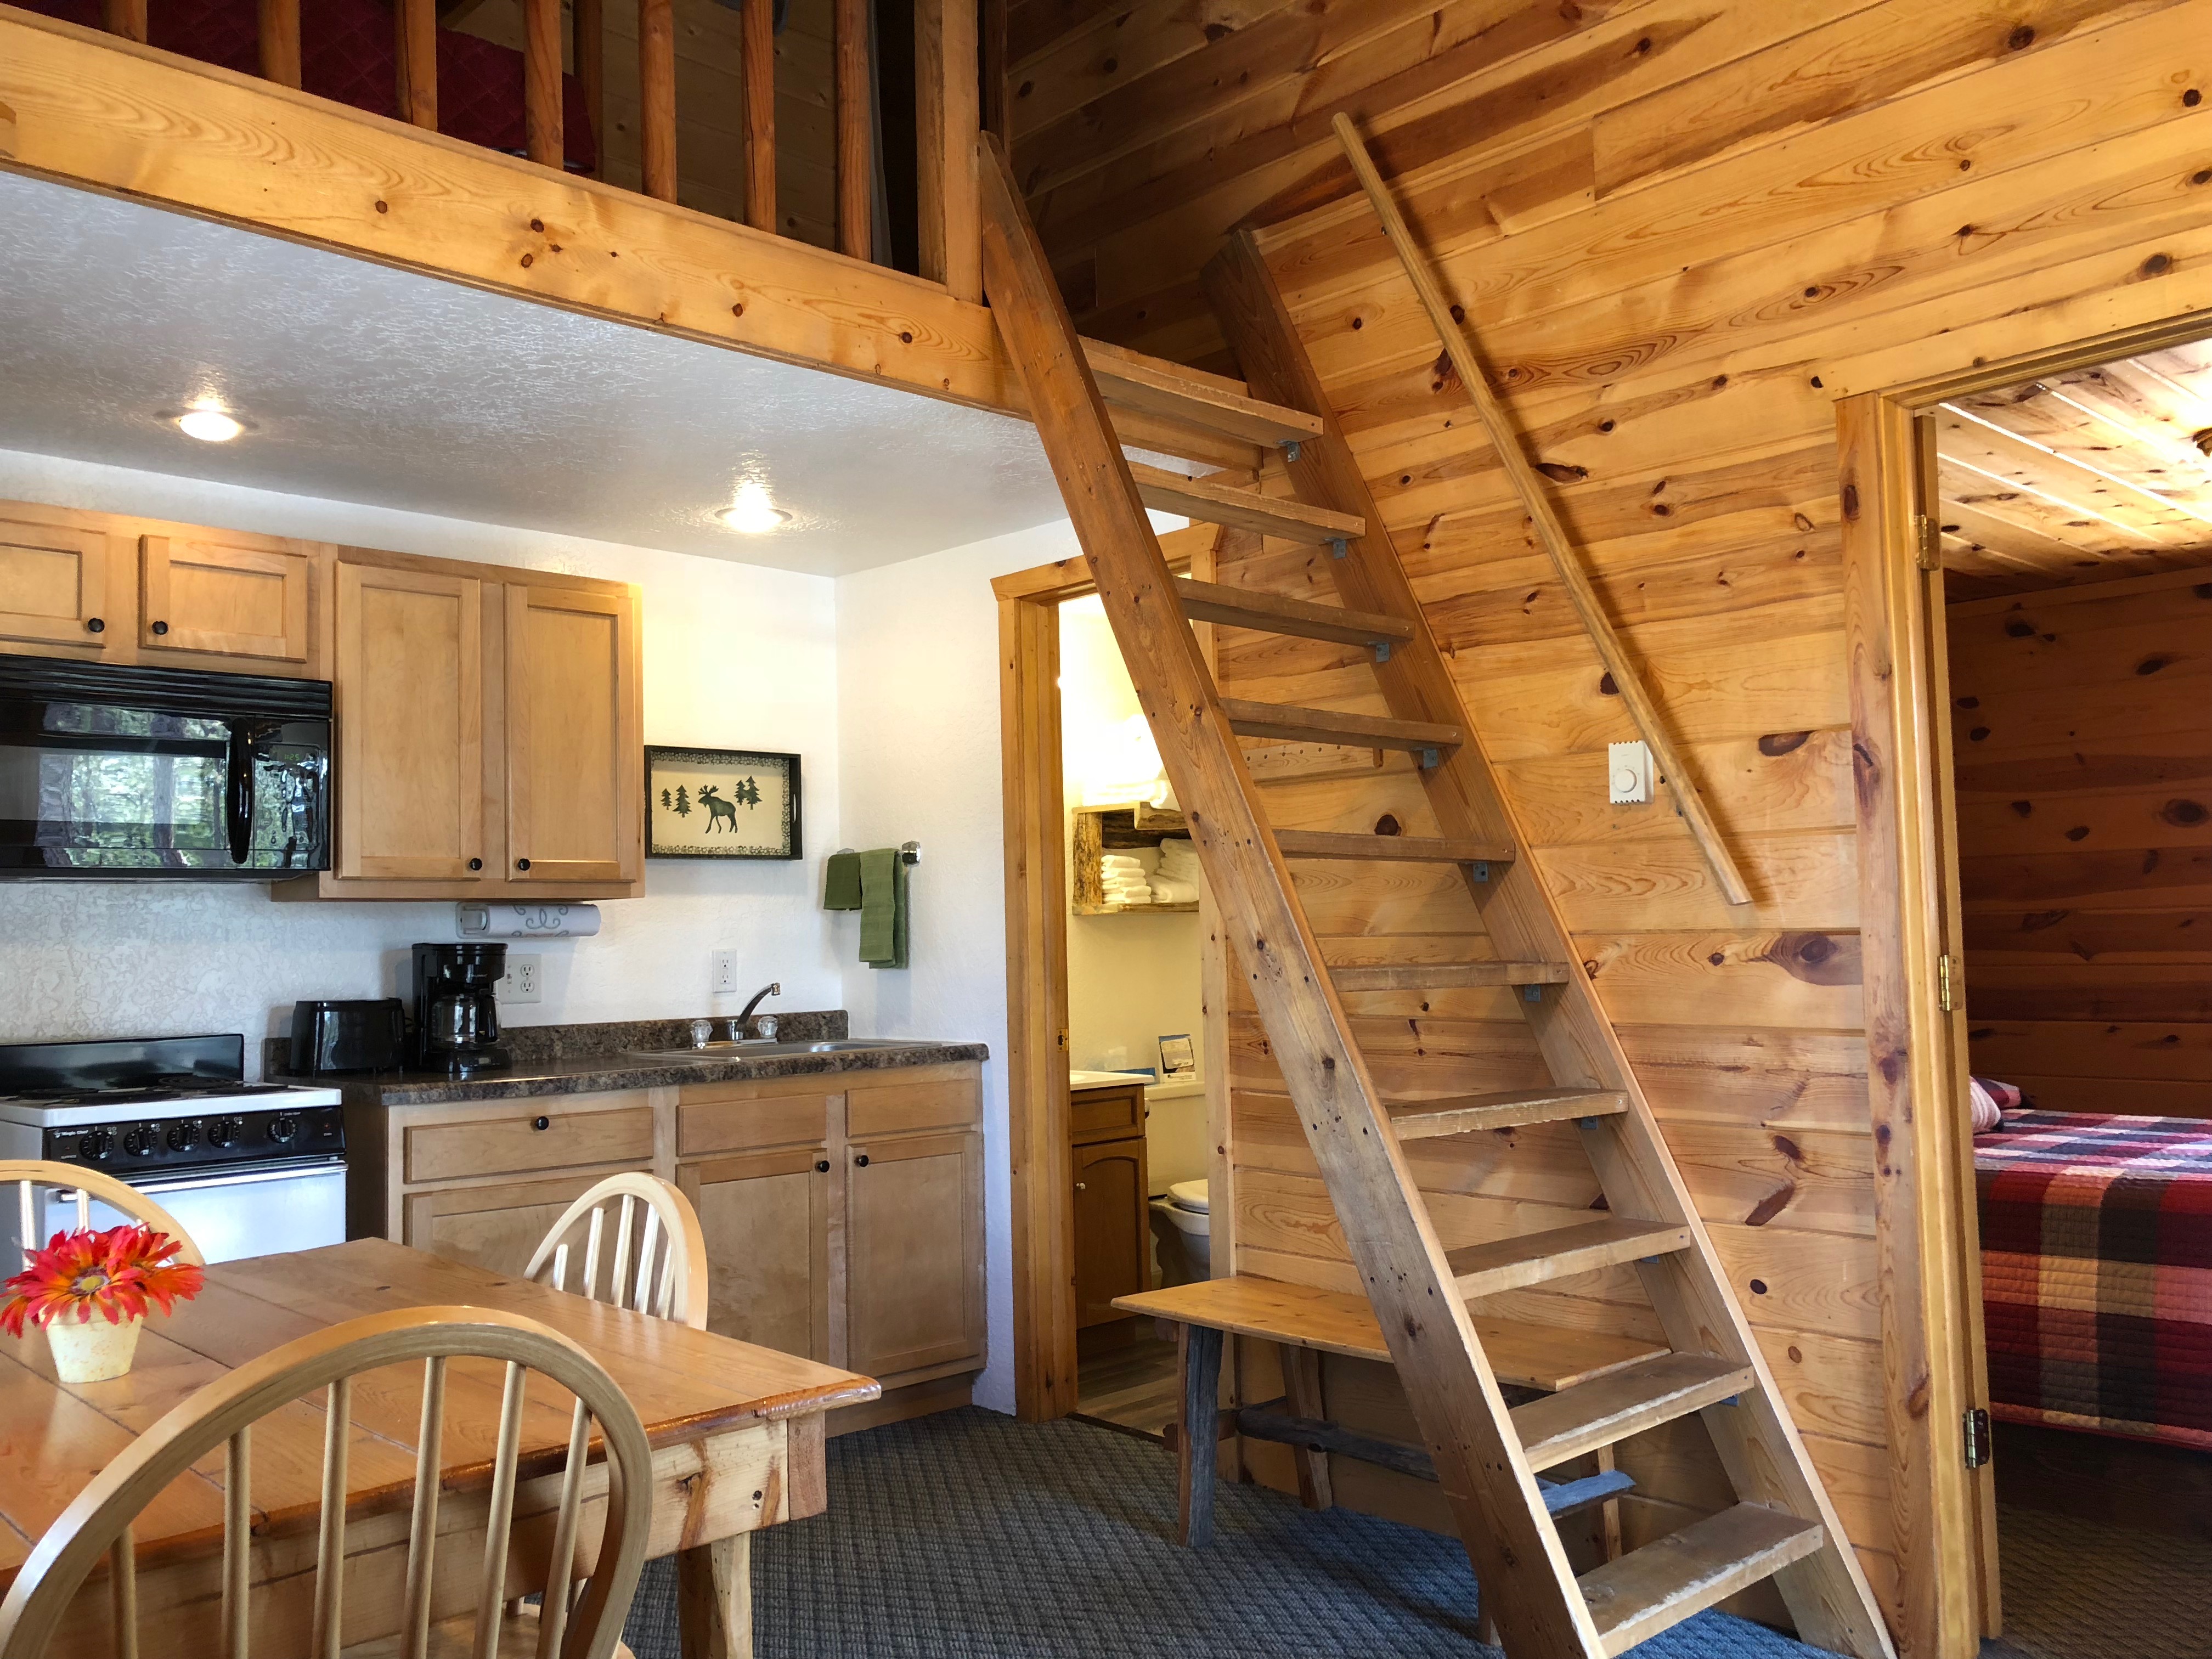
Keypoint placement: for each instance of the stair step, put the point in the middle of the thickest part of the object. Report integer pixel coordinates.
(1286, 723)
(1244, 509)
(1514, 1264)
(1628, 1402)
(1658, 1586)
(1271, 613)
(1446, 976)
(1129, 379)
(1461, 1115)
(1402, 849)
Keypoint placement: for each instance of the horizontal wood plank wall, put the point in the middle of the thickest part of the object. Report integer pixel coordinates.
(2082, 720)
(1684, 227)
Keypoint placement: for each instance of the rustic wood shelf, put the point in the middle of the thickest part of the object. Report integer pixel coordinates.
(1100, 828)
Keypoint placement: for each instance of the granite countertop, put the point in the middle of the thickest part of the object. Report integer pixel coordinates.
(562, 1059)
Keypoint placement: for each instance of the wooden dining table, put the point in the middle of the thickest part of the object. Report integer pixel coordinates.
(736, 1431)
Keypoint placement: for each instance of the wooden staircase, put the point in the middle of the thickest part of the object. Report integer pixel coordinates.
(1485, 1456)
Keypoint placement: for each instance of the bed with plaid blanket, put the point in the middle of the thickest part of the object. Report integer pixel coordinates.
(2097, 1273)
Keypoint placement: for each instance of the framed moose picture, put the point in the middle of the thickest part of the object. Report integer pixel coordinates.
(720, 804)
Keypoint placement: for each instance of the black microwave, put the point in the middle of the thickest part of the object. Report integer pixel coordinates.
(146, 772)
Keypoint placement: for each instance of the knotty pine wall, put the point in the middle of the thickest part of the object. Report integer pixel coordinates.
(2083, 724)
(1683, 229)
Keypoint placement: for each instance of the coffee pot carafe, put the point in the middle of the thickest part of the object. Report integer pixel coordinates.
(456, 1014)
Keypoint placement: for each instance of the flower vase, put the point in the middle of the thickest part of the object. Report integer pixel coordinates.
(93, 1351)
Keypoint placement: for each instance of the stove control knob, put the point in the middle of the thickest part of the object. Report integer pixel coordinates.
(183, 1137)
(96, 1144)
(224, 1131)
(143, 1140)
(283, 1127)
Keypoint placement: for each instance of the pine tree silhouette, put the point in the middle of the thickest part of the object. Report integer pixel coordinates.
(683, 803)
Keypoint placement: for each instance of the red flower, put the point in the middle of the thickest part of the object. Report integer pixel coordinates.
(119, 1272)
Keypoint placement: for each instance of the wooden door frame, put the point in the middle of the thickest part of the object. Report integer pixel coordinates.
(1039, 1148)
(1927, 1230)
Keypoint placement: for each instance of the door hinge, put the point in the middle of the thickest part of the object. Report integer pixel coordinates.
(1977, 1437)
(1927, 542)
(1943, 981)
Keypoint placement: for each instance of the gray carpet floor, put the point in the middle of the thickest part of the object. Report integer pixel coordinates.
(2078, 1591)
(968, 1535)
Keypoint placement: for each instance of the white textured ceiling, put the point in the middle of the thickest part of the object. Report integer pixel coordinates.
(370, 385)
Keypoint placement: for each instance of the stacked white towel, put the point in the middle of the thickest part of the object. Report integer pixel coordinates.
(1124, 878)
(1175, 882)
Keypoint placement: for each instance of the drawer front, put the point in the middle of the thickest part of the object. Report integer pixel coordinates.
(887, 1109)
(1105, 1114)
(735, 1126)
(505, 1145)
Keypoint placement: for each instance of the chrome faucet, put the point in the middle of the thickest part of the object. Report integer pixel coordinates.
(765, 1026)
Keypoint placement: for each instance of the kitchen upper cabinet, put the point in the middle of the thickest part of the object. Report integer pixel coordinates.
(765, 1220)
(488, 736)
(409, 677)
(54, 595)
(239, 598)
(575, 756)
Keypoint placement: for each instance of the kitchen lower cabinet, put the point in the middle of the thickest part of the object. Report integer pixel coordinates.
(914, 1213)
(496, 1227)
(765, 1218)
(841, 1214)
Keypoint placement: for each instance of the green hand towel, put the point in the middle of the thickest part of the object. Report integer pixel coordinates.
(902, 913)
(879, 906)
(840, 886)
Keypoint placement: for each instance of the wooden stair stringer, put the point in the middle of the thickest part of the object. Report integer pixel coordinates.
(1493, 1494)
(1826, 1591)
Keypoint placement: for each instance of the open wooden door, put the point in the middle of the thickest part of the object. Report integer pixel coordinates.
(1948, 917)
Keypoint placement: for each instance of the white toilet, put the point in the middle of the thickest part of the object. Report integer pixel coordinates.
(1181, 1226)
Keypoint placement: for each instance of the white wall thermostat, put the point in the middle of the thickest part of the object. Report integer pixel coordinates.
(1628, 772)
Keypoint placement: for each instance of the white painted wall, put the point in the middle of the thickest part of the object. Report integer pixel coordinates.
(735, 656)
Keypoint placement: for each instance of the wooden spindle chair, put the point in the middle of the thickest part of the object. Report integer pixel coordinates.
(34, 1620)
(28, 1175)
(655, 1262)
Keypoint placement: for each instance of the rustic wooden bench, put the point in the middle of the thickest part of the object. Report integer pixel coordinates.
(1309, 1322)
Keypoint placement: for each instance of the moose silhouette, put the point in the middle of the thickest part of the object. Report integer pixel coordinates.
(709, 796)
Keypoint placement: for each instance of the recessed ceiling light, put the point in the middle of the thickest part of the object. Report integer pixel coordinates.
(752, 514)
(210, 426)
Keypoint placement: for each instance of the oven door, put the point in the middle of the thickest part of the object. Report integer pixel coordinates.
(229, 1214)
(138, 772)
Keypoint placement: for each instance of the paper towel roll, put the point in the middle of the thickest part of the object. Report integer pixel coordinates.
(527, 920)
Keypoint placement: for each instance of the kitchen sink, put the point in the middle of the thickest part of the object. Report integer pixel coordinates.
(752, 1048)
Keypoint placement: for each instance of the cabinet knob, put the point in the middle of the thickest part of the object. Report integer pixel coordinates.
(476, 864)
(862, 1160)
(541, 1122)
(522, 864)
(160, 628)
(821, 1166)
(96, 624)
(1082, 1186)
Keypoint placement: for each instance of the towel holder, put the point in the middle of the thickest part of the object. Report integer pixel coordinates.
(909, 852)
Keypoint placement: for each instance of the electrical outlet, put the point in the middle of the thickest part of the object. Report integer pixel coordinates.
(524, 980)
(722, 973)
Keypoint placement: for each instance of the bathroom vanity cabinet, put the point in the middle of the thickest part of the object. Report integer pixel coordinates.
(842, 1212)
(1111, 1202)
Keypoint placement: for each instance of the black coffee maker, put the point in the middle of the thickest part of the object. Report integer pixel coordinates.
(456, 1019)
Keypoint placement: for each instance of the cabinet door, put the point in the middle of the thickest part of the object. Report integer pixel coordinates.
(765, 1220)
(1113, 1228)
(574, 764)
(496, 1227)
(409, 690)
(228, 600)
(54, 588)
(913, 1242)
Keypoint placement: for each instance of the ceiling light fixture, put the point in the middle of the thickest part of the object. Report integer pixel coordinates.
(210, 426)
(752, 514)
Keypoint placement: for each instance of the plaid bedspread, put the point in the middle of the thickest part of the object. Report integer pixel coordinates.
(2097, 1271)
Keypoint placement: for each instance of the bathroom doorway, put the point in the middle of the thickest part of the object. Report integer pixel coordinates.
(1114, 994)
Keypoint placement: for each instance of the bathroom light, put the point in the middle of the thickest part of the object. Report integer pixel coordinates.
(210, 426)
(752, 514)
